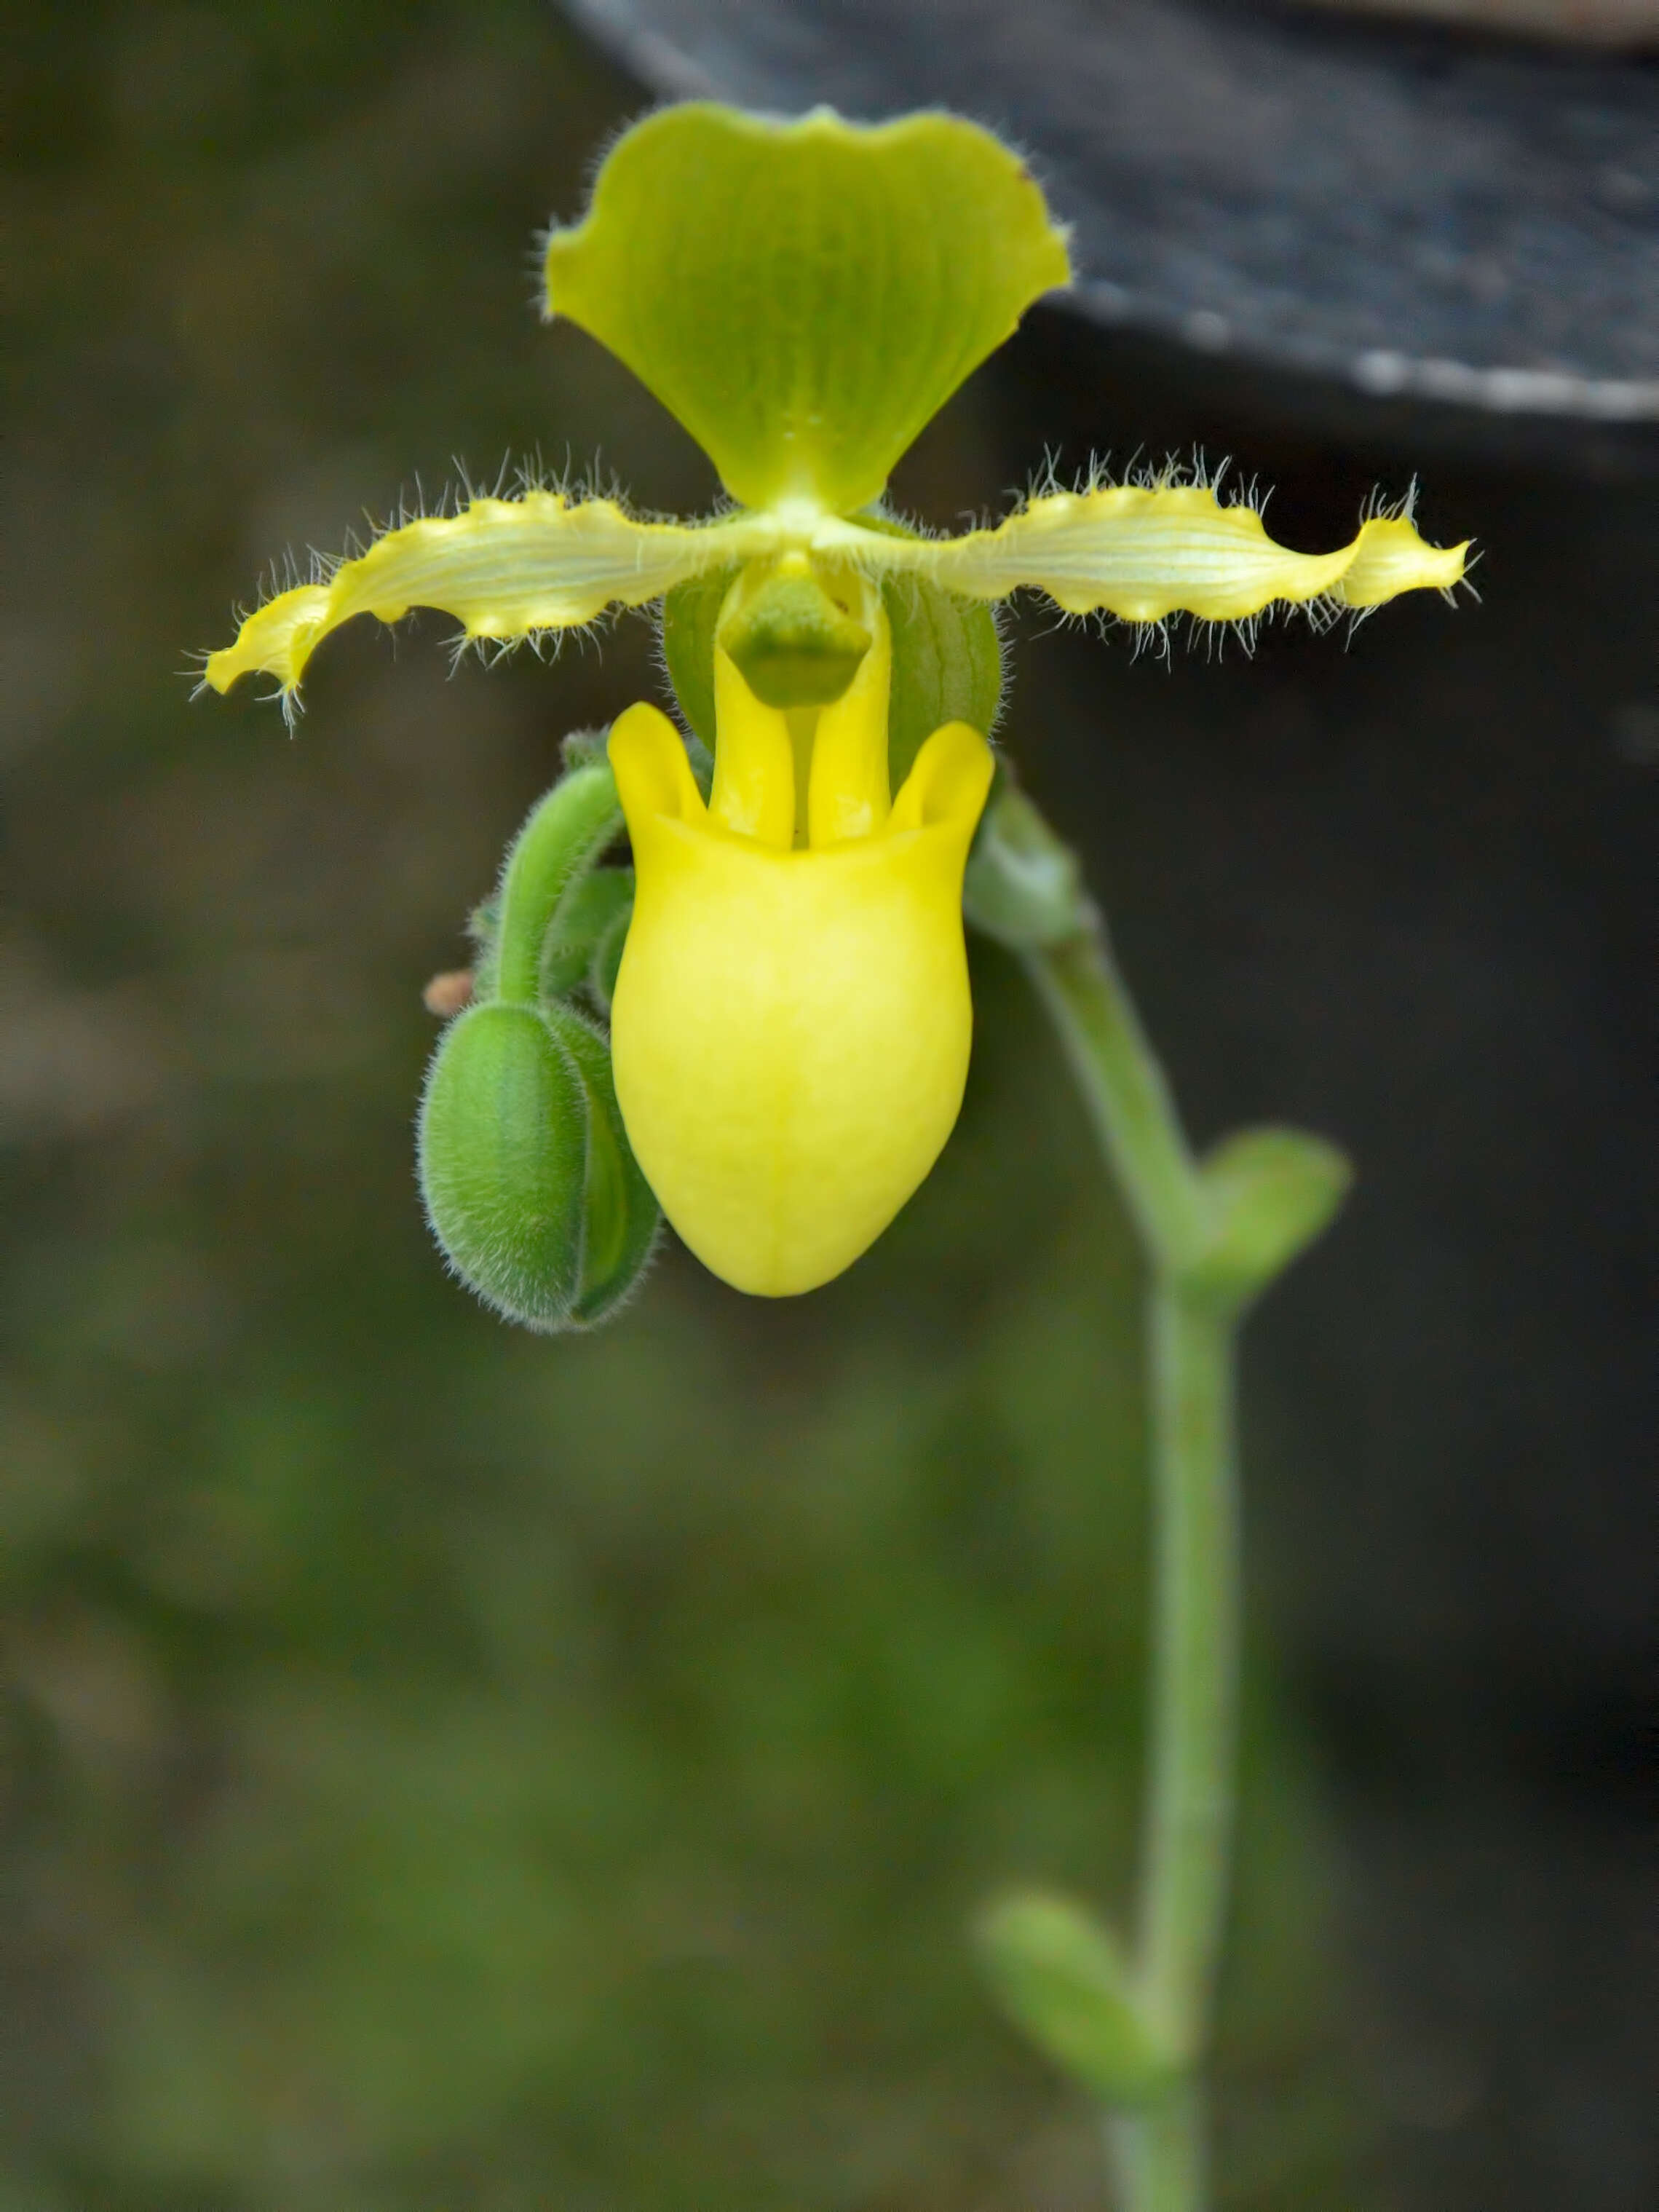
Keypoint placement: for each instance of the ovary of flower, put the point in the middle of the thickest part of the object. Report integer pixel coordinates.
(790, 1025)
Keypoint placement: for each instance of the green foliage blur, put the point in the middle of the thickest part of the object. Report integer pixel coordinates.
(446, 1766)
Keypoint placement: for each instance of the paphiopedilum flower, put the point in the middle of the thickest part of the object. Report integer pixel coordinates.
(790, 1023)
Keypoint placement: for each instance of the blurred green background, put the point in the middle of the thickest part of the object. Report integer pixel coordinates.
(446, 1767)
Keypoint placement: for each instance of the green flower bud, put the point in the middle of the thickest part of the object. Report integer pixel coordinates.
(502, 1150)
(622, 1219)
(529, 1184)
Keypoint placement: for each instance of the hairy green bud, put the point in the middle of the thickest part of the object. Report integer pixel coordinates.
(528, 1181)
(530, 1185)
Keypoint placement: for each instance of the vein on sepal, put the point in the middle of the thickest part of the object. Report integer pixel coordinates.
(506, 568)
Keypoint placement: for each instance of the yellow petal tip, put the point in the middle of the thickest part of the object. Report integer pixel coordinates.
(1389, 557)
(653, 776)
(275, 640)
(948, 781)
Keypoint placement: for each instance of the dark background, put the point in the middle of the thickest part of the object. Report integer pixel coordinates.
(448, 1767)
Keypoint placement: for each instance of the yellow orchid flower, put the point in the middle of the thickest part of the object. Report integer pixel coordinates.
(791, 1020)
(791, 1023)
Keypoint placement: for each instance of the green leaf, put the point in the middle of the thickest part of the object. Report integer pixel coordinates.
(1268, 1192)
(1061, 1977)
(805, 296)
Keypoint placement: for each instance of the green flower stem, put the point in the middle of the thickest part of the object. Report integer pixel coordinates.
(1159, 2155)
(1190, 1799)
(1158, 2147)
(1134, 2031)
(565, 834)
(1122, 1087)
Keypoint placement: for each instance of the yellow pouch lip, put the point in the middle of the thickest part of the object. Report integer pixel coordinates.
(792, 1024)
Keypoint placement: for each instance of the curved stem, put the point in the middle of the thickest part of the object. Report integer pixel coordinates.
(1159, 2151)
(1122, 1087)
(566, 832)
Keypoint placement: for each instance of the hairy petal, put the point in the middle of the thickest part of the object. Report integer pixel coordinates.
(504, 567)
(1143, 553)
